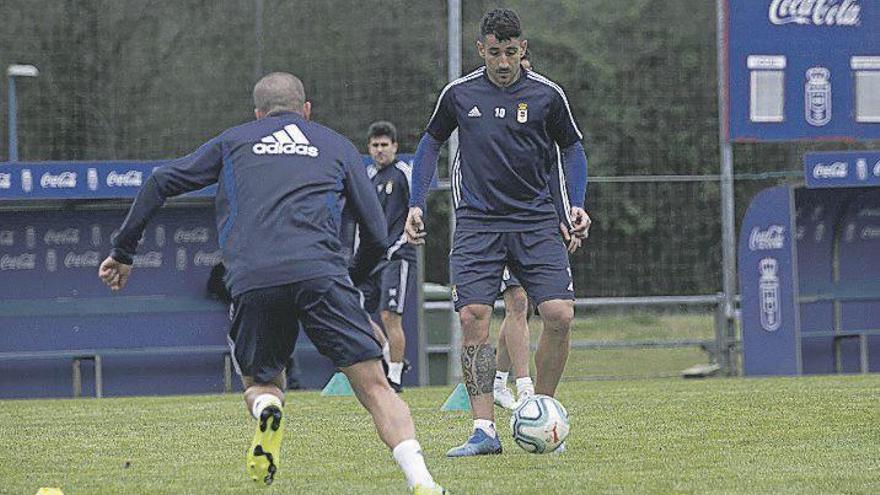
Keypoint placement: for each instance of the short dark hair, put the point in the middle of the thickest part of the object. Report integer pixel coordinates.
(502, 23)
(382, 128)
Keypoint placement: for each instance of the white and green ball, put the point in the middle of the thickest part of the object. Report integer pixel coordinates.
(539, 424)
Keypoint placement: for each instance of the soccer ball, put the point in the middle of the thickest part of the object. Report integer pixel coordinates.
(539, 424)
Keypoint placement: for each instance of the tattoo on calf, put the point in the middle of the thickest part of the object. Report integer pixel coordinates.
(478, 367)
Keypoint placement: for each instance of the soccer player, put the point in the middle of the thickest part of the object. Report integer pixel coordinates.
(512, 353)
(517, 137)
(386, 288)
(280, 181)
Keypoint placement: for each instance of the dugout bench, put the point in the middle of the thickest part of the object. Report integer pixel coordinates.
(809, 271)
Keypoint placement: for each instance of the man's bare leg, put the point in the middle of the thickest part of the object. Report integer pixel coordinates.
(478, 371)
(383, 343)
(392, 418)
(513, 348)
(397, 345)
(553, 345)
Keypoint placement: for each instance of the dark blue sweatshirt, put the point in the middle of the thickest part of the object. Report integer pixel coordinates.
(281, 183)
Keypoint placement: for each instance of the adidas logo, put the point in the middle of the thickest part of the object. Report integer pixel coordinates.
(287, 141)
(475, 112)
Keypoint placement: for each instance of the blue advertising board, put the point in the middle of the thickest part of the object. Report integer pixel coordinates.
(842, 169)
(802, 69)
(768, 286)
(78, 180)
(91, 180)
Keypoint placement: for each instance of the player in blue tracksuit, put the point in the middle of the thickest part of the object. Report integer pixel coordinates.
(518, 143)
(386, 288)
(280, 181)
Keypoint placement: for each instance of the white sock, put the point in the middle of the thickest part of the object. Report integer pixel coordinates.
(262, 401)
(394, 371)
(408, 455)
(501, 379)
(487, 426)
(386, 352)
(524, 385)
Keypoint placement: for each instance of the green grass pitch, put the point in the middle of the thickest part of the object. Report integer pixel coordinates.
(750, 436)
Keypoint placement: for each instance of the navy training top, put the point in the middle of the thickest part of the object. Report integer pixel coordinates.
(509, 149)
(393, 184)
(281, 183)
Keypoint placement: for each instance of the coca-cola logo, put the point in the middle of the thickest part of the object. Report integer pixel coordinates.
(870, 232)
(815, 12)
(5, 181)
(87, 259)
(199, 234)
(771, 238)
(836, 170)
(61, 237)
(152, 259)
(130, 178)
(64, 180)
(207, 259)
(24, 261)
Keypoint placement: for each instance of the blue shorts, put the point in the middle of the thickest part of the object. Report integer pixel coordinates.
(538, 259)
(265, 325)
(387, 287)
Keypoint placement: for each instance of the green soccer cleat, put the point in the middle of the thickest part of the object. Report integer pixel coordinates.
(425, 490)
(262, 457)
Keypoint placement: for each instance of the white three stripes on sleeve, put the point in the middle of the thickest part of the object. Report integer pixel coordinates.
(473, 75)
(541, 79)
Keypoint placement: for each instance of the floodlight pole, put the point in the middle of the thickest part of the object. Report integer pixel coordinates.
(454, 72)
(13, 71)
(728, 233)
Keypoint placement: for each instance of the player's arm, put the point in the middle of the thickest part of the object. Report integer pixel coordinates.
(441, 125)
(399, 206)
(562, 203)
(424, 169)
(367, 213)
(572, 167)
(190, 173)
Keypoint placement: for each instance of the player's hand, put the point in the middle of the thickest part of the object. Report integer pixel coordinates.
(114, 273)
(415, 226)
(572, 243)
(580, 223)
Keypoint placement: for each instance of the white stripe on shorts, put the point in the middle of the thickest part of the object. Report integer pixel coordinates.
(401, 291)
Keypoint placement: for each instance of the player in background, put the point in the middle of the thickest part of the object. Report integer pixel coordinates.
(512, 353)
(517, 136)
(386, 288)
(280, 180)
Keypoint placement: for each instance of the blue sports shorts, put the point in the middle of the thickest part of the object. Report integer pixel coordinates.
(538, 259)
(265, 325)
(387, 288)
